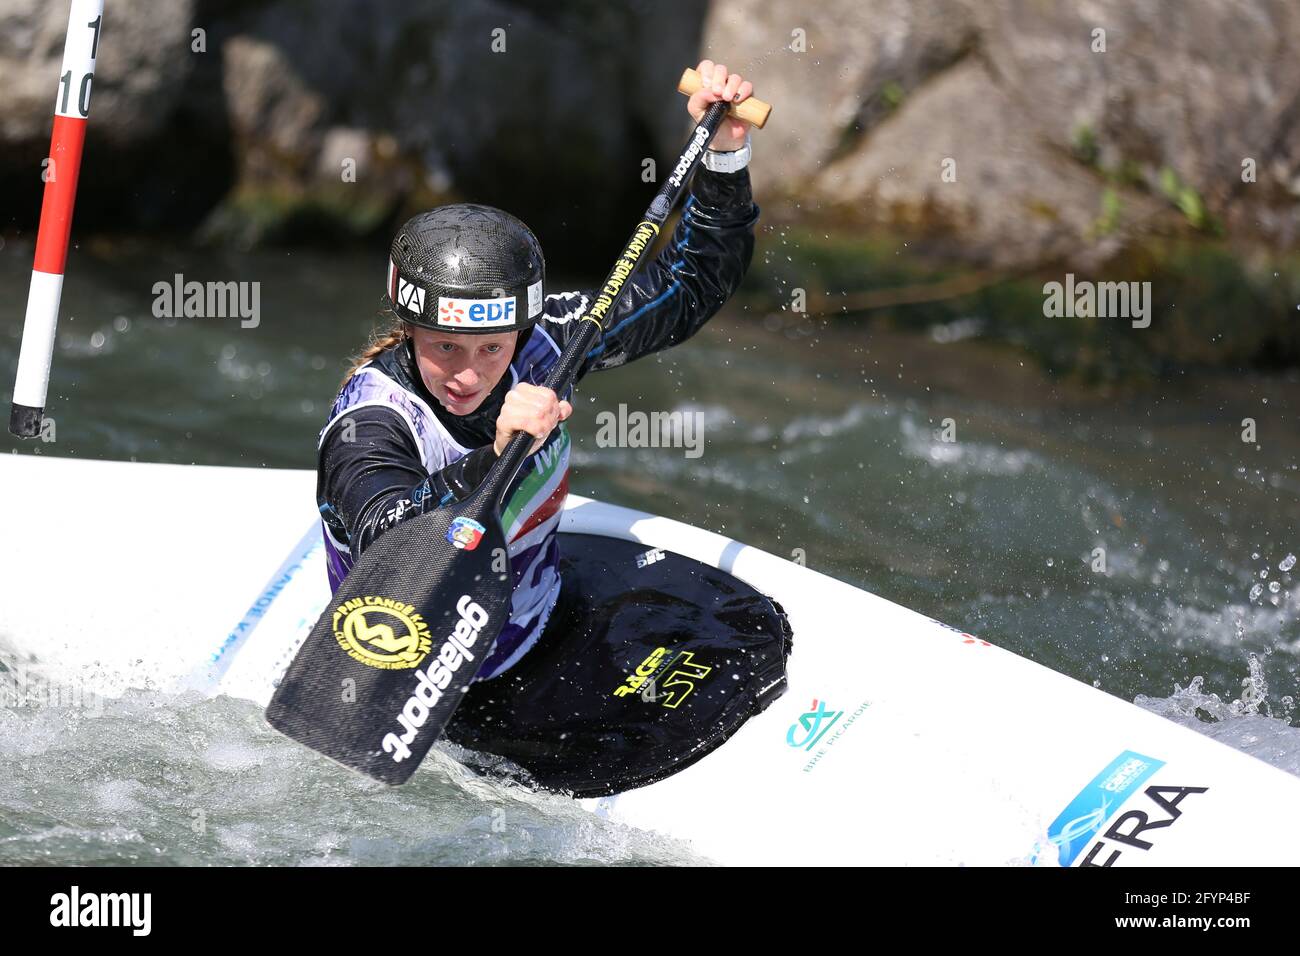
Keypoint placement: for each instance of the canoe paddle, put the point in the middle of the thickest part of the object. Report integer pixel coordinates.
(411, 625)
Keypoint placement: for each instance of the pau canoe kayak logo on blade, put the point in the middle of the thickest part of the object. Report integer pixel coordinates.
(1080, 824)
(465, 533)
(815, 724)
(380, 632)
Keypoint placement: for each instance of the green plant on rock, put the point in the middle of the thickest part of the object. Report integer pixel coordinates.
(1186, 199)
(892, 94)
(1084, 145)
(1112, 211)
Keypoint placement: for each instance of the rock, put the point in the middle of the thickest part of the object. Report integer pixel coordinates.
(140, 75)
(274, 114)
(146, 79)
(858, 53)
(1067, 151)
(1063, 151)
(961, 164)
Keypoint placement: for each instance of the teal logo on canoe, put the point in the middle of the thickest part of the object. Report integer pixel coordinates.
(820, 728)
(813, 725)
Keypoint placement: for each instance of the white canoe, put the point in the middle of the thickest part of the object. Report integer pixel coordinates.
(944, 749)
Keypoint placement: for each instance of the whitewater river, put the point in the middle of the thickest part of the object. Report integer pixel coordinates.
(1134, 542)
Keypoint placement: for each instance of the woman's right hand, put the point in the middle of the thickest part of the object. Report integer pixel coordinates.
(529, 408)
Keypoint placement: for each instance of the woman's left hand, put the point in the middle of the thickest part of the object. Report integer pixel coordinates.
(720, 85)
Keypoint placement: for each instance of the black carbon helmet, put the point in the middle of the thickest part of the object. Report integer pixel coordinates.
(466, 268)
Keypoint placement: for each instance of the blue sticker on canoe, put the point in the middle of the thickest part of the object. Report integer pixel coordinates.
(1083, 819)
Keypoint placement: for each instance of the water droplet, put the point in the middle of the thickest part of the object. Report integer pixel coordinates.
(1287, 563)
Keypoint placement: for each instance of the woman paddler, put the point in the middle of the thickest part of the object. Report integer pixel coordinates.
(430, 404)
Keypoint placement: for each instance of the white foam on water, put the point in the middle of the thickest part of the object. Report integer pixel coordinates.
(177, 779)
(1257, 722)
(967, 457)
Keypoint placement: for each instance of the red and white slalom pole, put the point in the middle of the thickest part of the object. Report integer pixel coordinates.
(71, 108)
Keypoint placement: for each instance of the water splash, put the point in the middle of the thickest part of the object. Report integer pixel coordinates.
(1193, 700)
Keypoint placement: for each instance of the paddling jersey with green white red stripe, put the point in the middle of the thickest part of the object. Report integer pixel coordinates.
(390, 451)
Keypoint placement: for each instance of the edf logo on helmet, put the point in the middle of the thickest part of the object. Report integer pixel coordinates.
(481, 313)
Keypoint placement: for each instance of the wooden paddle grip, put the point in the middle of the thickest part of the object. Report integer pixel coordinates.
(750, 110)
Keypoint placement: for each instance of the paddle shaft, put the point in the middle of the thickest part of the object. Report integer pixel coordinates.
(565, 371)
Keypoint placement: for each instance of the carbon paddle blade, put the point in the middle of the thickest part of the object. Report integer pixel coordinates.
(407, 631)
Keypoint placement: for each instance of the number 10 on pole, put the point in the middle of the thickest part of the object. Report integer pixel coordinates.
(71, 107)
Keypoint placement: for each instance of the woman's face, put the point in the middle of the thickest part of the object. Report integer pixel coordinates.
(461, 370)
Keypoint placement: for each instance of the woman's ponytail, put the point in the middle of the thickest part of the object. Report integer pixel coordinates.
(380, 341)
